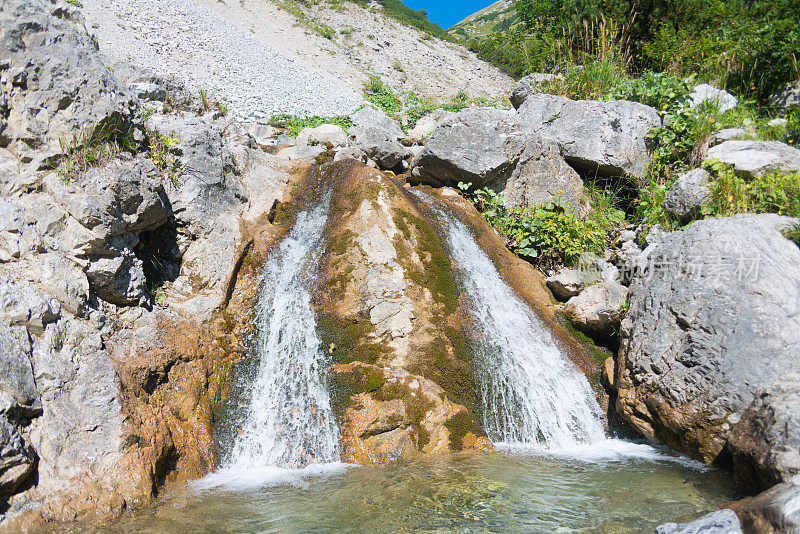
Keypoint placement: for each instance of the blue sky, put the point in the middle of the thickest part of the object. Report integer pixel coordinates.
(448, 12)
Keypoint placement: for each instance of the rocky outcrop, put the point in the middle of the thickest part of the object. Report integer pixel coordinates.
(719, 522)
(122, 274)
(378, 135)
(390, 317)
(55, 89)
(755, 158)
(705, 93)
(594, 137)
(487, 147)
(712, 320)
(765, 444)
(688, 194)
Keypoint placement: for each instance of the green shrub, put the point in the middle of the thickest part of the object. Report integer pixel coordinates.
(548, 234)
(654, 89)
(773, 192)
(592, 81)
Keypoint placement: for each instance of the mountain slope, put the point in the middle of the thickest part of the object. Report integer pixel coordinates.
(501, 15)
(283, 56)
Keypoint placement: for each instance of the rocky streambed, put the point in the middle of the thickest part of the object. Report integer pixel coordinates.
(146, 249)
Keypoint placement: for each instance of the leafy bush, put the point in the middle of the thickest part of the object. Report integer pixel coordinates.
(654, 89)
(548, 233)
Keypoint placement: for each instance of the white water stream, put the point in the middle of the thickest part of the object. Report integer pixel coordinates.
(531, 393)
(289, 423)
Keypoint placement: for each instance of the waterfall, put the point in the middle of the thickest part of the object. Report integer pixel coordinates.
(531, 393)
(288, 422)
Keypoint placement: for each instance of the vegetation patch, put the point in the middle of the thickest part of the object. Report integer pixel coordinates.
(773, 192)
(548, 233)
(409, 107)
(294, 124)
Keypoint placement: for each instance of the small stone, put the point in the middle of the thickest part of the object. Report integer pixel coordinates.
(690, 191)
(565, 284)
(708, 93)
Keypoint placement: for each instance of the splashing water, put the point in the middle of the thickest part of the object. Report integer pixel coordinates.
(289, 423)
(531, 393)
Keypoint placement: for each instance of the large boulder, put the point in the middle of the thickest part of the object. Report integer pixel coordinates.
(378, 135)
(688, 194)
(594, 137)
(713, 318)
(55, 87)
(755, 158)
(766, 442)
(703, 93)
(477, 145)
(486, 147)
(541, 176)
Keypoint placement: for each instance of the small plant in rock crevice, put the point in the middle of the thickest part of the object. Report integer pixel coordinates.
(94, 149)
(160, 148)
(793, 233)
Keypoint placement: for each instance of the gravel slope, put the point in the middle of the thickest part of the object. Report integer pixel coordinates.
(259, 59)
(206, 51)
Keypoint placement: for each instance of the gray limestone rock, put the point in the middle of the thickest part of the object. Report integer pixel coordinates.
(754, 158)
(594, 137)
(688, 194)
(713, 318)
(766, 442)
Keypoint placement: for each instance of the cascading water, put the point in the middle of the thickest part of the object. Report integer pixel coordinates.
(531, 393)
(288, 422)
